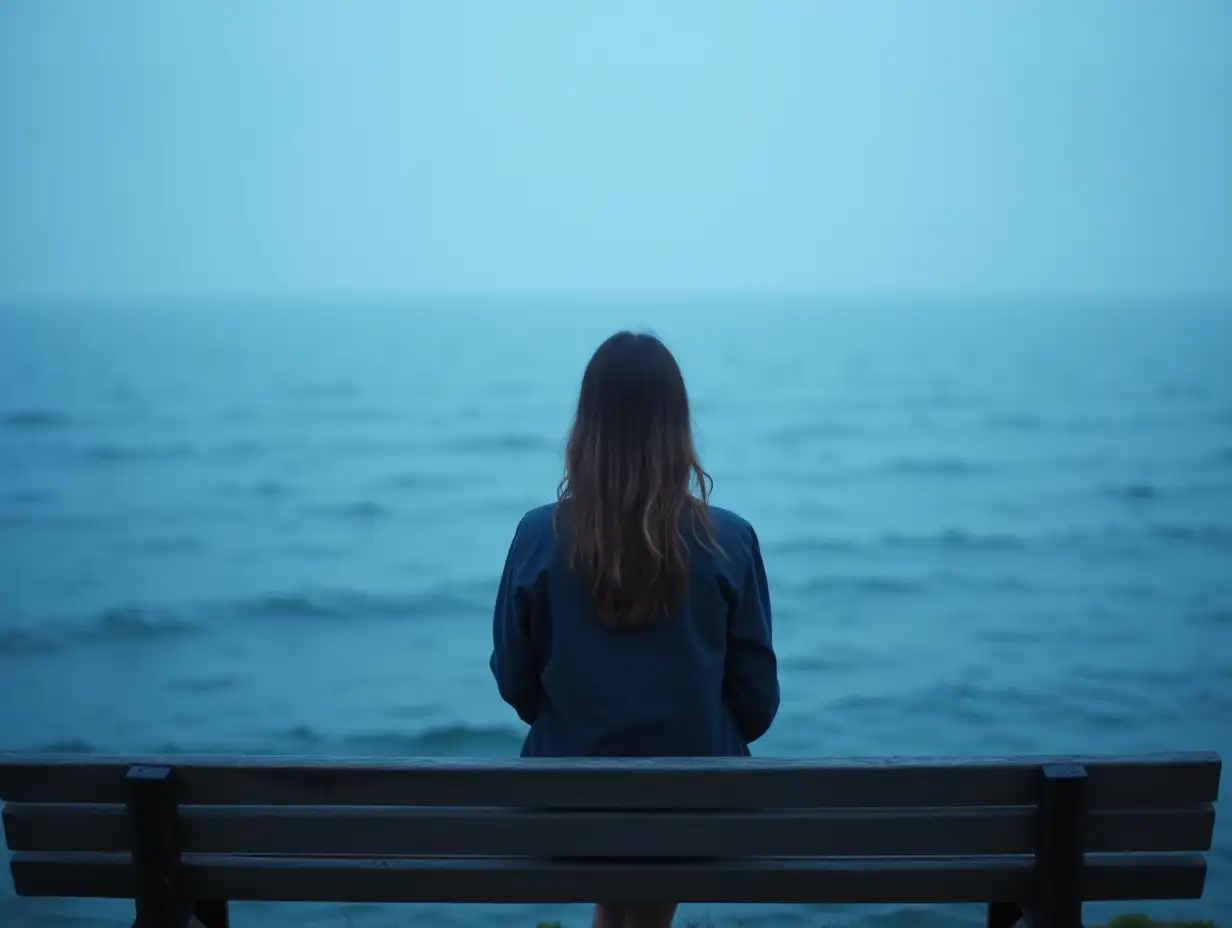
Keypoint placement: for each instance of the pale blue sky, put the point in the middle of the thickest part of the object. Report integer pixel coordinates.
(154, 149)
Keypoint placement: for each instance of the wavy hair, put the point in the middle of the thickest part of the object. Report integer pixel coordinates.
(632, 481)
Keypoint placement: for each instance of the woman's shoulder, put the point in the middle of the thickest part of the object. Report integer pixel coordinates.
(728, 520)
(733, 532)
(536, 531)
(533, 547)
(538, 520)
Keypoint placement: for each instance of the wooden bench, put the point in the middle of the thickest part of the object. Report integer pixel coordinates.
(1034, 836)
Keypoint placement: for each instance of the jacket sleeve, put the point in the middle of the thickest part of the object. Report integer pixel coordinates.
(514, 663)
(750, 676)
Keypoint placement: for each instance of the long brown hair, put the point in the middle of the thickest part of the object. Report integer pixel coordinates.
(632, 480)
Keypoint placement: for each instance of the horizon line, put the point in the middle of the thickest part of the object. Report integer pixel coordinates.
(418, 298)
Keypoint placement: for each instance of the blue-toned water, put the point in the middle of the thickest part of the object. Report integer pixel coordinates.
(988, 528)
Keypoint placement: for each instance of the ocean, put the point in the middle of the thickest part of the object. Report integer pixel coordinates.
(990, 526)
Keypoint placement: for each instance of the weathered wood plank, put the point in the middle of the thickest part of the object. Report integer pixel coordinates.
(442, 831)
(504, 880)
(703, 783)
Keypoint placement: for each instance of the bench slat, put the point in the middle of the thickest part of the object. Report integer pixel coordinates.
(506, 880)
(704, 783)
(404, 831)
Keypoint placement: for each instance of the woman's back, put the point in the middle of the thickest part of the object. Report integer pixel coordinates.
(633, 618)
(700, 680)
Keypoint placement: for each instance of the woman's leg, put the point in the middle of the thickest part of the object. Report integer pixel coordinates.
(609, 915)
(635, 915)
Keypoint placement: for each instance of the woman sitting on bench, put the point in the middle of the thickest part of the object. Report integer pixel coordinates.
(633, 618)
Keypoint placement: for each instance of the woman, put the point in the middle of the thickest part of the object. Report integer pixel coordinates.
(633, 619)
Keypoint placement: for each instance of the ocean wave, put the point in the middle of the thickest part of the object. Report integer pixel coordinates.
(792, 436)
(33, 419)
(414, 480)
(23, 640)
(1134, 492)
(258, 447)
(369, 445)
(1014, 421)
(353, 604)
(828, 663)
(877, 586)
(449, 740)
(439, 740)
(988, 705)
(1143, 677)
(169, 544)
(364, 510)
(22, 497)
(434, 741)
(988, 583)
(1135, 543)
(1217, 699)
(324, 390)
(1218, 617)
(998, 635)
(302, 734)
(947, 540)
(67, 746)
(815, 545)
(1211, 536)
(509, 443)
(932, 467)
(133, 623)
(859, 702)
(110, 625)
(956, 540)
(1138, 592)
(73, 522)
(300, 605)
(111, 452)
(864, 585)
(207, 684)
(951, 702)
(1086, 717)
(272, 488)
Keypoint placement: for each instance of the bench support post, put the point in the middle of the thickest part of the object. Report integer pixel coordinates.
(1056, 894)
(160, 897)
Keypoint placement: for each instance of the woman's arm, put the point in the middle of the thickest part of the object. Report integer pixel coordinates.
(750, 676)
(513, 663)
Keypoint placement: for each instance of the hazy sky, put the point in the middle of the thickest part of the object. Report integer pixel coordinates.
(152, 149)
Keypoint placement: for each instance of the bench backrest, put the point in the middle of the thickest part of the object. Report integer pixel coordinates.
(680, 830)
